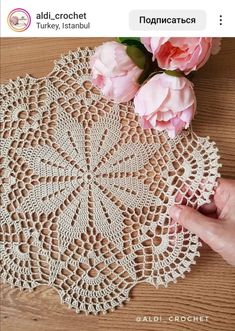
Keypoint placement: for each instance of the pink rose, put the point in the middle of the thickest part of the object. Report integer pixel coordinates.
(184, 54)
(166, 103)
(114, 72)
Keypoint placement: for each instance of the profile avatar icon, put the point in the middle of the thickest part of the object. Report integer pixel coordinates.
(19, 19)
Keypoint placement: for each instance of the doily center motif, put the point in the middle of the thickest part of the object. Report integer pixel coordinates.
(86, 191)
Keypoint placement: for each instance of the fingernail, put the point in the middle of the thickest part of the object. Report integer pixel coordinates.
(175, 211)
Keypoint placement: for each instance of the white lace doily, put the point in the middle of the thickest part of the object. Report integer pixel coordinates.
(85, 190)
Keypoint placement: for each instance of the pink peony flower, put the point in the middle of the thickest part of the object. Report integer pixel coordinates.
(114, 72)
(184, 54)
(166, 102)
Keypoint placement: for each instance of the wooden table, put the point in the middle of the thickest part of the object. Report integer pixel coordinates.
(209, 290)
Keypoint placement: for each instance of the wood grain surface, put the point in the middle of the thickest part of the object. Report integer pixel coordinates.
(209, 289)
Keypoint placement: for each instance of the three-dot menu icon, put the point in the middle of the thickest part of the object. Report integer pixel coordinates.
(221, 20)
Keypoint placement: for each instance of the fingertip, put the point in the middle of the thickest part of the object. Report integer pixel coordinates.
(175, 211)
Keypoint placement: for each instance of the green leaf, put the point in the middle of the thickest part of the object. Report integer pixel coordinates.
(149, 68)
(174, 73)
(140, 56)
(132, 41)
(127, 40)
(137, 56)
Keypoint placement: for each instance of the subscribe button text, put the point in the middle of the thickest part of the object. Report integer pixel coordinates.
(167, 20)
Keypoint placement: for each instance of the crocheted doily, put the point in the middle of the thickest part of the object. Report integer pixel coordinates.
(85, 190)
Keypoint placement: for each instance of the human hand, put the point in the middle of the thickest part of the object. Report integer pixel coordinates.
(214, 223)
